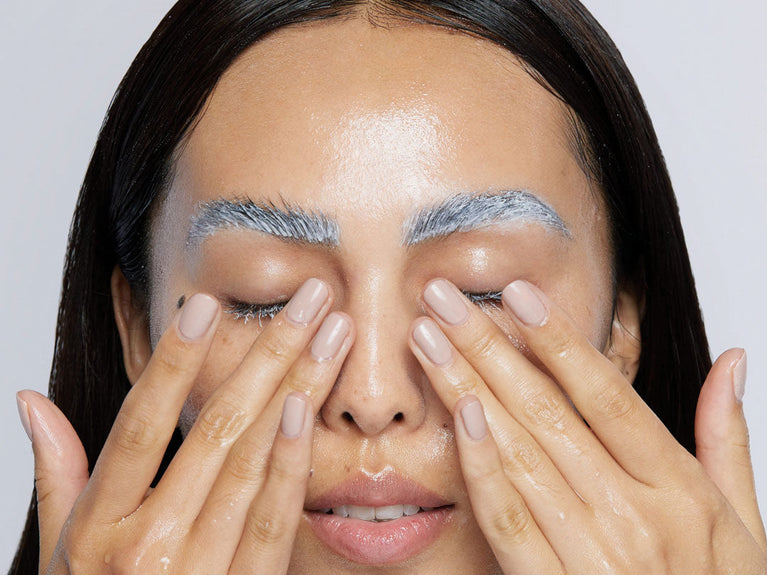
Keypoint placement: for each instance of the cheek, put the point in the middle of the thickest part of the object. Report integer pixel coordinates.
(230, 346)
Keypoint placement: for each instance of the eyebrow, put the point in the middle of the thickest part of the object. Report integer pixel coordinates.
(287, 222)
(469, 211)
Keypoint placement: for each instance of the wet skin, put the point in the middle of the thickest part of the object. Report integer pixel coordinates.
(368, 125)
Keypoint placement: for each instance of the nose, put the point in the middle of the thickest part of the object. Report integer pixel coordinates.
(380, 388)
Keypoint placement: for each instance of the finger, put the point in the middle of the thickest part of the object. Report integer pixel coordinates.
(223, 515)
(61, 466)
(534, 476)
(136, 444)
(518, 543)
(236, 404)
(530, 396)
(721, 438)
(616, 414)
(267, 540)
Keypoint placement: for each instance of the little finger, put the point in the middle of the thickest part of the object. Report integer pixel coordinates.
(517, 541)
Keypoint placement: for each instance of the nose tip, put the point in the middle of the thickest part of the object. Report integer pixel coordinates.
(378, 389)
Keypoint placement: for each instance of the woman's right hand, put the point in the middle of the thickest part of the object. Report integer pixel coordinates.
(233, 495)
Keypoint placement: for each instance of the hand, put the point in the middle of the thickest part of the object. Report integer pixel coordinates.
(604, 489)
(233, 495)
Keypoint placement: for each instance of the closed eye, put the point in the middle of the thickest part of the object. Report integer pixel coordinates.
(491, 299)
(249, 311)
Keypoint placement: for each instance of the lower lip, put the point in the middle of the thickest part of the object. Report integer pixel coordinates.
(370, 543)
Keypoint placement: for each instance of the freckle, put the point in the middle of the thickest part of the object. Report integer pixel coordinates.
(347, 469)
(181, 301)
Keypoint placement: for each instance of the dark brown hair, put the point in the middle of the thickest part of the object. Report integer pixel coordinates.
(166, 87)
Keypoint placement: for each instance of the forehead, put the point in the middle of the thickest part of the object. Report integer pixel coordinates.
(342, 114)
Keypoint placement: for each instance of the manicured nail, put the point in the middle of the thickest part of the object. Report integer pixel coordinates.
(24, 415)
(293, 415)
(525, 303)
(739, 370)
(432, 342)
(446, 301)
(474, 420)
(330, 337)
(197, 316)
(304, 306)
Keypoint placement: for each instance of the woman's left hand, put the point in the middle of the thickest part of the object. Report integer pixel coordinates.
(606, 488)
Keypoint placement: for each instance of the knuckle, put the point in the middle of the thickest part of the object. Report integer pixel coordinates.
(613, 402)
(513, 522)
(264, 529)
(244, 467)
(135, 432)
(485, 345)
(274, 348)
(563, 345)
(221, 423)
(172, 359)
(544, 408)
(524, 458)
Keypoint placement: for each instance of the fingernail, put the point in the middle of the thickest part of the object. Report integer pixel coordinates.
(330, 337)
(525, 303)
(304, 306)
(446, 301)
(739, 371)
(474, 420)
(432, 342)
(197, 315)
(24, 415)
(293, 414)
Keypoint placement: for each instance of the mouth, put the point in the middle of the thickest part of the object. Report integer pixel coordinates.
(378, 519)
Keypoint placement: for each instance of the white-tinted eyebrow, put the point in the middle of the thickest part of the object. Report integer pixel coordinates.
(285, 222)
(469, 211)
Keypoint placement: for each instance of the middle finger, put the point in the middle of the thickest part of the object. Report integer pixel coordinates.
(530, 396)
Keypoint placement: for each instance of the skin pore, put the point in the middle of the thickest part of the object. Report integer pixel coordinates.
(368, 126)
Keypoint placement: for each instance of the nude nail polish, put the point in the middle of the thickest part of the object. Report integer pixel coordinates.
(293, 415)
(739, 371)
(432, 342)
(24, 415)
(446, 301)
(330, 337)
(525, 304)
(307, 302)
(197, 315)
(474, 421)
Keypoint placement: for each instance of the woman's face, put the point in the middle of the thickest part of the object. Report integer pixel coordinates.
(368, 126)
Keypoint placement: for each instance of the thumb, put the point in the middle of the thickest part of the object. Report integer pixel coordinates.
(721, 438)
(61, 466)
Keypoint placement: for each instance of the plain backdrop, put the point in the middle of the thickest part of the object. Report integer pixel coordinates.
(700, 66)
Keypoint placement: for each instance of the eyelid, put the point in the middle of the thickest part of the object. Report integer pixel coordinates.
(247, 311)
(485, 299)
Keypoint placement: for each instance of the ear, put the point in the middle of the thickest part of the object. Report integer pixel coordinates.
(625, 344)
(133, 326)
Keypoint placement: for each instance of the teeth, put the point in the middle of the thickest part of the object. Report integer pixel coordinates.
(386, 513)
(343, 511)
(389, 512)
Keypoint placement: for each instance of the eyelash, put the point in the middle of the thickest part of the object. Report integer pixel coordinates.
(250, 311)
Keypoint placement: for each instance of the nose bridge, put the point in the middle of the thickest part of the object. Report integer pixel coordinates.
(378, 386)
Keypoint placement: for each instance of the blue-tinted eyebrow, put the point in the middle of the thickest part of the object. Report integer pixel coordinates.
(466, 212)
(286, 222)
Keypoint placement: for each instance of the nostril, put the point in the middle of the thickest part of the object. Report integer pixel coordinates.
(347, 417)
(399, 416)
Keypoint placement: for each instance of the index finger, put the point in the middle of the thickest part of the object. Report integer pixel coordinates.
(626, 426)
(136, 444)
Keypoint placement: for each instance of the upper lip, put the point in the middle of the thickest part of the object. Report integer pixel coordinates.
(376, 490)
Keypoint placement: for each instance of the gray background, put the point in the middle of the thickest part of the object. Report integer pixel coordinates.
(700, 66)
